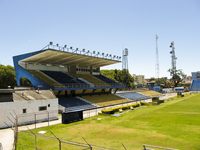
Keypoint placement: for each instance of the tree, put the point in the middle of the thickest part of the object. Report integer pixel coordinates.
(122, 76)
(25, 82)
(177, 77)
(7, 76)
(164, 82)
(109, 73)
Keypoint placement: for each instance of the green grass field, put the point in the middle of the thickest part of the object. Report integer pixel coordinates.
(174, 124)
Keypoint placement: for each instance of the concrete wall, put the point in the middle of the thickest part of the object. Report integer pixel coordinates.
(9, 111)
(29, 66)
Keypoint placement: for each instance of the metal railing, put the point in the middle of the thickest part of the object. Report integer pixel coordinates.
(86, 86)
(153, 147)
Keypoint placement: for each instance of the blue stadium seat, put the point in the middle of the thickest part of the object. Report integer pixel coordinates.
(107, 80)
(74, 103)
(62, 77)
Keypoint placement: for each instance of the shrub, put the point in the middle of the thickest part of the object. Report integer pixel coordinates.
(111, 110)
(125, 107)
(108, 111)
(155, 99)
(135, 105)
(116, 109)
(160, 101)
(145, 104)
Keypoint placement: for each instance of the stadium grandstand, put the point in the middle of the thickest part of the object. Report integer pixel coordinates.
(105, 99)
(150, 93)
(65, 69)
(136, 96)
(72, 74)
(195, 86)
(68, 104)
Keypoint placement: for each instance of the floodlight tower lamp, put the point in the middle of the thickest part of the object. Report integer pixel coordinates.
(76, 50)
(64, 47)
(106, 55)
(71, 49)
(97, 53)
(88, 52)
(47, 46)
(58, 47)
(83, 50)
(50, 44)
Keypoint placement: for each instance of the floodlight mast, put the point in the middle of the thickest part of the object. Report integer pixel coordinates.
(173, 59)
(125, 59)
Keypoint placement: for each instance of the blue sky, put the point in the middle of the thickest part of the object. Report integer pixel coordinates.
(107, 26)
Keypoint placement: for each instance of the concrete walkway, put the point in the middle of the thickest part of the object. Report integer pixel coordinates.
(7, 138)
(39, 125)
(167, 96)
(7, 135)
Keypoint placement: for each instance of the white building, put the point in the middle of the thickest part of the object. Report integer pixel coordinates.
(27, 106)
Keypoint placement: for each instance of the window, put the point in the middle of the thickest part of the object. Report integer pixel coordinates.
(24, 110)
(49, 105)
(41, 108)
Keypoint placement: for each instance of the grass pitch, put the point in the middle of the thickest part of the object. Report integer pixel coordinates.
(174, 124)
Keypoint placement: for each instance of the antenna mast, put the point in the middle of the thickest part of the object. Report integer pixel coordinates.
(174, 58)
(157, 58)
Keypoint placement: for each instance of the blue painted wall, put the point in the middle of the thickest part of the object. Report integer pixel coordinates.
(23, 73)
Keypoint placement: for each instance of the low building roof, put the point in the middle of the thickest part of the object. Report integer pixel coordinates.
(33, 95)
(6, 91)
(10, 95)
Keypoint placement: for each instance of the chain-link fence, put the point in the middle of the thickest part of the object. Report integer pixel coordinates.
(52, 141)
(44, 117)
